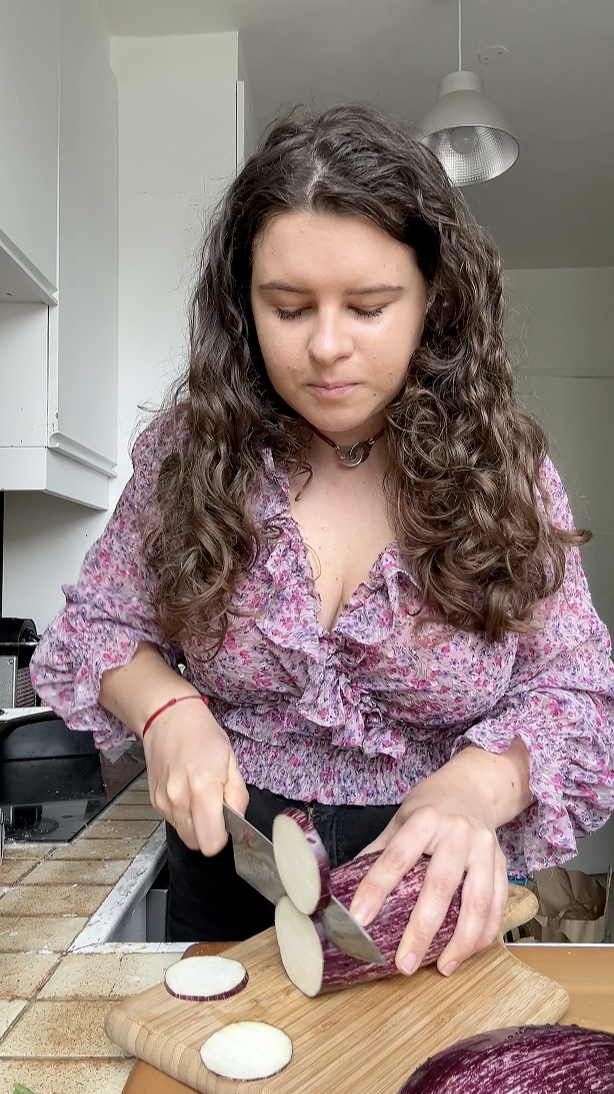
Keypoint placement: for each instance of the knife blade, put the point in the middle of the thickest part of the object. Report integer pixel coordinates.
(253, 854)
(255, 863)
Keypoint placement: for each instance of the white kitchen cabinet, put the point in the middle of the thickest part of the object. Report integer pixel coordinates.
(83, 355)
(24, 334)
(58, 393)
(29, 98)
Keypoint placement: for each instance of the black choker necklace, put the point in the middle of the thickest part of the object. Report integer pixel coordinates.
(355, 453)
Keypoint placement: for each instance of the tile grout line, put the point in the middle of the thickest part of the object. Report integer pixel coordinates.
(32, 998)
(153, 839)
(68, 1059)
(110, 913)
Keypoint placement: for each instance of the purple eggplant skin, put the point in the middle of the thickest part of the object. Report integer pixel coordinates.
(388, 927)
(543, 1059)
(386, 930)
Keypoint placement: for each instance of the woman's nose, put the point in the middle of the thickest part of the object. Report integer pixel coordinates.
(329, 337)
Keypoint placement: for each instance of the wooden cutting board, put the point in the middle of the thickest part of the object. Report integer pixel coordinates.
(364, 1040)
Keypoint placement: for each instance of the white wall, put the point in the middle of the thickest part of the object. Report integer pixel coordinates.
(250, 129)
(176, 151)
(562, 335)
(561, 331)
(46, 537)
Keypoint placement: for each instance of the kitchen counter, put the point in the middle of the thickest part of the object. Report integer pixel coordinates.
(58, 976)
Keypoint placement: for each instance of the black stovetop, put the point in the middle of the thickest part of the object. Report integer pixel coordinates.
(53, 781)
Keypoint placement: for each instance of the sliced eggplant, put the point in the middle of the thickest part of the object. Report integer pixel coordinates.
(315, 966)
(302, 861)
(203, 978)
(247, 1050)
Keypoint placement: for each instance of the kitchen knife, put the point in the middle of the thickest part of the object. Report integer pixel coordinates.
(254, 858)
(255, 863)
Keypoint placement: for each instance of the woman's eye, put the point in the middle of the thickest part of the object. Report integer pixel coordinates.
(295, 313)
(368, 313)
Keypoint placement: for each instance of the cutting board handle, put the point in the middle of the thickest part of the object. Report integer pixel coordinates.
(522, 905)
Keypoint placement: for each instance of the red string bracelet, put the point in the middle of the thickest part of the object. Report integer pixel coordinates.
(171, 703)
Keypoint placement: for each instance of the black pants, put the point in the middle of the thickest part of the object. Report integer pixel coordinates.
(208, 902)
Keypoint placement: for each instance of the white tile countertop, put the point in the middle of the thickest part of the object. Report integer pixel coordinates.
(59, 904)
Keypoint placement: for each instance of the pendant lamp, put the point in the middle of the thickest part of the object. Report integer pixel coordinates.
(470, 137)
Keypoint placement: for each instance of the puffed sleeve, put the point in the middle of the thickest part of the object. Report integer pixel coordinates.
(109, 611)
(561, 704)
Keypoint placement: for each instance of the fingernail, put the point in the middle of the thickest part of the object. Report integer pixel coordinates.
(361, 913)
(449, 968)
(409, 964)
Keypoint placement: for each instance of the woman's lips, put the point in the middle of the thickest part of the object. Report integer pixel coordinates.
(330, 391)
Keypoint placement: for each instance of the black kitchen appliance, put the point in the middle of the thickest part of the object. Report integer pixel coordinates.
(53, 780)
(18, 639)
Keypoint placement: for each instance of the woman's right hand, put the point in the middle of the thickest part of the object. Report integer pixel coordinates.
(191, 767)
(192, 770)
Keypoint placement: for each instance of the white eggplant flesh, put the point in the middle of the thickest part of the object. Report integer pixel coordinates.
(302, 861)
(205, 978)
(247, 1051)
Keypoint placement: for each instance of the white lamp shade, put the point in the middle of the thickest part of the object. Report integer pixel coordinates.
(471, 138)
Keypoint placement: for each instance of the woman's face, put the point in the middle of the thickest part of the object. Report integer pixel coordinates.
(339, 308)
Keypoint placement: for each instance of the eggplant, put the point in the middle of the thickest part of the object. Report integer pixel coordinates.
(247, 1051)
(302, 861)
(542, 1059)
(315, 966)
(206, 977)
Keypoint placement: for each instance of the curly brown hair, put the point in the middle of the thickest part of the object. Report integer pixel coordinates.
(463, 481)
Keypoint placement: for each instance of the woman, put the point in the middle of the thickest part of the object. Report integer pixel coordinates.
(347, 535)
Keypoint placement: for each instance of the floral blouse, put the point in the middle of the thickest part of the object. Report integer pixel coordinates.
(363, 712)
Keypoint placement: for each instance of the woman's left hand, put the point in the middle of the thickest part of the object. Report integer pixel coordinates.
(456, 826)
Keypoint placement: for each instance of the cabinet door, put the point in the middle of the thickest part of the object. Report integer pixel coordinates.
(83, 377)
(23, 376)
(29, 88)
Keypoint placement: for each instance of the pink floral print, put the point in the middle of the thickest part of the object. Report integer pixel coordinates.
(359, 714)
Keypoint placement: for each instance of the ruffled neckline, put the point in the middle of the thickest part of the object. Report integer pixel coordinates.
(337, 699)
(364, 619)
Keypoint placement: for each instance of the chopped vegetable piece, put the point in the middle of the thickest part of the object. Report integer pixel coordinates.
(247, 1050)
(302, 861)
(302, 944)
(207, 977)
(521, 1060)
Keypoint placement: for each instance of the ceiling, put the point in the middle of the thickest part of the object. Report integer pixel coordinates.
(555, 206)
